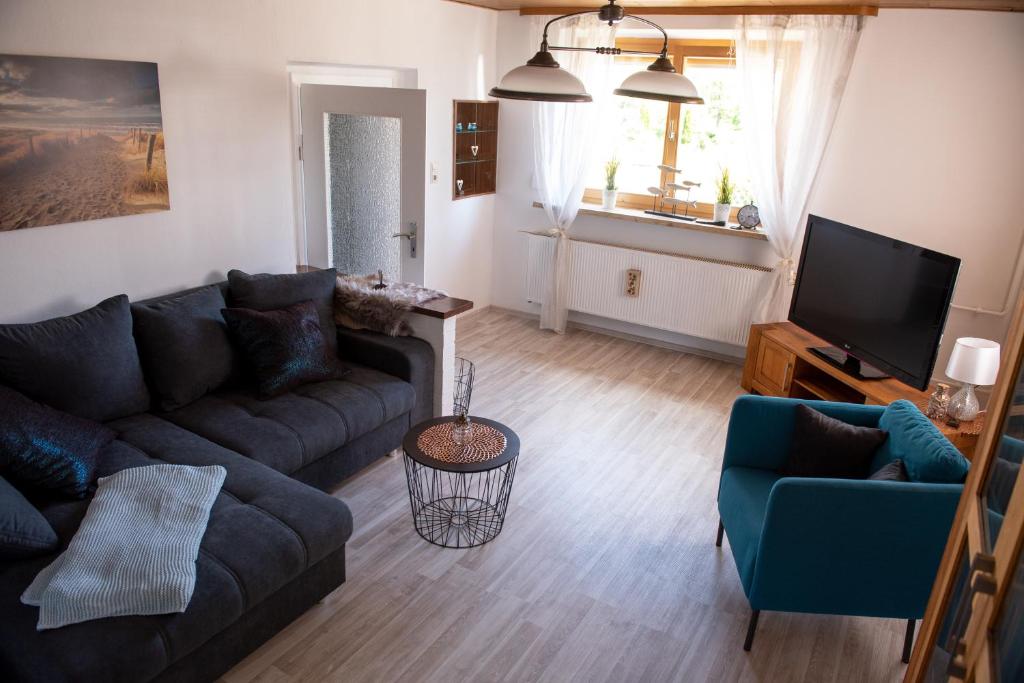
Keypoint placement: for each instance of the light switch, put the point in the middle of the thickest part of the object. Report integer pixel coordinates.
(434, 175)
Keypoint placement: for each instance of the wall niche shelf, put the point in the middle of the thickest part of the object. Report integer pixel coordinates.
(476, 171)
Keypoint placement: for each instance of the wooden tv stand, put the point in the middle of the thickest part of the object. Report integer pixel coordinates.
(780, 363)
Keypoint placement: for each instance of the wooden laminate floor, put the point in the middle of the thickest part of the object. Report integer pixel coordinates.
(606, 569)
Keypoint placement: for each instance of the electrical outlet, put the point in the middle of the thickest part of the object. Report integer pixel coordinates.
(633, 282)
(434, 175)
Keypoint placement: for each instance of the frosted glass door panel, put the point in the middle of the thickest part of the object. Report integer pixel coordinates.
(363, 155)
(363, 158)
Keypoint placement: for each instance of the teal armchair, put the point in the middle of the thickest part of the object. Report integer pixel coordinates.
(836, 546)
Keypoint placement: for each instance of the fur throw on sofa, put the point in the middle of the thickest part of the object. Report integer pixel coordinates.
(358, 306)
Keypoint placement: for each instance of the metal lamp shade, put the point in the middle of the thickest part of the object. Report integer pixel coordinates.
(660, 85)
(541, 84)
(974, 361)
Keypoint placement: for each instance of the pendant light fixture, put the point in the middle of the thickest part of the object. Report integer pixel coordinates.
(543, 80)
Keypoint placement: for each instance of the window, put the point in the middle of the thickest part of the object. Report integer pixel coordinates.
(700, 140)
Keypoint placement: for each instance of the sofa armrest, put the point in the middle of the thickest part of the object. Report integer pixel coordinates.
(408, 358)
(859, 547)
(761, 428)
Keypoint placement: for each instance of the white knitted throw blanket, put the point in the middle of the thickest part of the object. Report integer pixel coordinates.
(135, 551)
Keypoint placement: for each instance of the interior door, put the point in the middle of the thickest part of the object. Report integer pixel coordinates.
(364, 178)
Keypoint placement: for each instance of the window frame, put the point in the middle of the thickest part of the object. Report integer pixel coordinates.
(679, 50)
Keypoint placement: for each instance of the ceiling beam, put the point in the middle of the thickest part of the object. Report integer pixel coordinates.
(690, 10)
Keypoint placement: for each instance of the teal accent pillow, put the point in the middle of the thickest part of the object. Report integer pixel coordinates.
(927, 455)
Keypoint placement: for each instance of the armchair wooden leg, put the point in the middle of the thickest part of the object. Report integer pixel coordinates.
(908, 640)
(721, 530)
(751, 627)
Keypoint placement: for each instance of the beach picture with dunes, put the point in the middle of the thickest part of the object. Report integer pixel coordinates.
(80, 139)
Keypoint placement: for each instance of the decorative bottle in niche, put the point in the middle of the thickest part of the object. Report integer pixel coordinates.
(462, 432)
(938, 402)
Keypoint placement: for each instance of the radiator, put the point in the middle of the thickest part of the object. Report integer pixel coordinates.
(686, 294)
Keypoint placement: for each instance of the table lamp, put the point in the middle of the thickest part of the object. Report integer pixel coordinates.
(975, 362)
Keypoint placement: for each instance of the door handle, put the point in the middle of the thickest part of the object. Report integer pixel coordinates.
(411, 236)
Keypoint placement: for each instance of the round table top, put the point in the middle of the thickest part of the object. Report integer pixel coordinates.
(430, 443)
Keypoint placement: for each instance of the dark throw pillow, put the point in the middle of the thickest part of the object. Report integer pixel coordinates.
(24, 532)
(84, 364)
(285, 348)
(265, 292)
(45, 449)
(893, 471)
(826, 447)
(184, 345)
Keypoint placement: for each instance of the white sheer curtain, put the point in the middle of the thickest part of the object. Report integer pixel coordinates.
(793, 72)
(563, 136)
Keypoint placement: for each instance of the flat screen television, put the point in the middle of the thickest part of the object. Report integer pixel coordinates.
(881, 302)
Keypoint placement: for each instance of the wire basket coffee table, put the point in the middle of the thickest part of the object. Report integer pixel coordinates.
(459, 494)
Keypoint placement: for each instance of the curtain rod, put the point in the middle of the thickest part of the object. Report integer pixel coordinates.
(734, 10)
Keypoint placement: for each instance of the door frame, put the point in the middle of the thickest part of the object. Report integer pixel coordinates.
(315, 73)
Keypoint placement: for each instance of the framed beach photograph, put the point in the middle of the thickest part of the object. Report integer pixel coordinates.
(80, 139)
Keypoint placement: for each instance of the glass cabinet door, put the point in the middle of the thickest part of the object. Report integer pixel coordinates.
(973, 626)
(1004, 467)
(991, 646)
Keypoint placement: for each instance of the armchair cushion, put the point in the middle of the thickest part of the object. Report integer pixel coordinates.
(894, 471)
(826, 447)
(928, 455)
(761, 428)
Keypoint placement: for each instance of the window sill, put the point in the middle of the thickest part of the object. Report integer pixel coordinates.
(635, 216)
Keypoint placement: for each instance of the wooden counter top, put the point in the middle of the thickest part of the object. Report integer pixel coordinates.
(443, 308)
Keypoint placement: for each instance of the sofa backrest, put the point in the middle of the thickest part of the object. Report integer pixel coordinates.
(184, 345)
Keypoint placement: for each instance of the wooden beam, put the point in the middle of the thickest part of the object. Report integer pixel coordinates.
(727, 10)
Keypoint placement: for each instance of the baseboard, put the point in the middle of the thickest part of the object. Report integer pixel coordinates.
(474, 312)
(619, 334)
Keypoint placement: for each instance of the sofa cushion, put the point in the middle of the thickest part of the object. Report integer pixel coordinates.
(24, 532)
(184, 345)
(823, 446)
(291, 431)
(45, 449)
(84, 364)
(264, 531)
(284, 348)
(928, 456)
(265, 292)
(742, 501)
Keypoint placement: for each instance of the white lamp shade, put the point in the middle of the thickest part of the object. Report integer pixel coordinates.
(541, 83)
(660, 85)
(974, 361)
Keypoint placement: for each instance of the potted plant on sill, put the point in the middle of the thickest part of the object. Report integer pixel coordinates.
(610, 193)
(726, 188)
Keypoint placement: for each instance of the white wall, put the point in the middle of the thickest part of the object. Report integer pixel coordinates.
(927, 148)
(224, 92)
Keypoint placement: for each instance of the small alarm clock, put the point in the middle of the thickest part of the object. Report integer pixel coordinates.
(748, 217)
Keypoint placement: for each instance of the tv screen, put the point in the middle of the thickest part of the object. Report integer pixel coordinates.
(880, 300)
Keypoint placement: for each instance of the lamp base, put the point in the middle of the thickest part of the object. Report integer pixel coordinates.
(964, 404)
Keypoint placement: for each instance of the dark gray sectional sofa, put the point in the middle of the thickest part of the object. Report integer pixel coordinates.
(275, 543)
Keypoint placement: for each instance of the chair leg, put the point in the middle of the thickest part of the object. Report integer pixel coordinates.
(908, 640)
(721, 530)
(751, 627)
